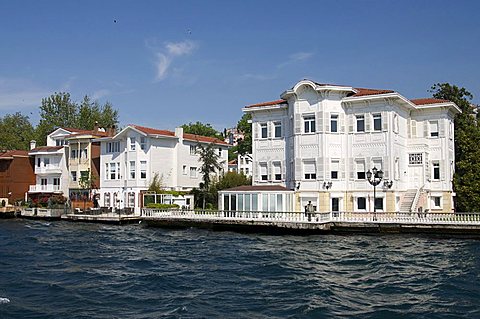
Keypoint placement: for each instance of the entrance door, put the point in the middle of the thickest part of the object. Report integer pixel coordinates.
(416, 176)
(335, 206)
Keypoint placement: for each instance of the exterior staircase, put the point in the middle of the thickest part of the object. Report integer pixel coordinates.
(407, 200)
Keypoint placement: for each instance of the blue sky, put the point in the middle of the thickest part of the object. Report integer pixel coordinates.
(165, 63)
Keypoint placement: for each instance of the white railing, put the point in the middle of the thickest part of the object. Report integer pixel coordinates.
(44, 188)
(295, 217)
(413, 208)
(50, 168)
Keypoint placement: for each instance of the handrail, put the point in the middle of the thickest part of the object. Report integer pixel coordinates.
(413, 208)
(324, 217)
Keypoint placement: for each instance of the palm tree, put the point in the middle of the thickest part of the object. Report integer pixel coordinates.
(210, 163)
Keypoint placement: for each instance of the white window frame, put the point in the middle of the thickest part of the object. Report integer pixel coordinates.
(277, 129)
(377, 122)
(309, 124)
(433, 129)
(333, 123)
(143, 143)
(193, 172)
(133, 143)
(263, 130)
(143, 169)
(360, 119)
(193, 150)
(133, 170)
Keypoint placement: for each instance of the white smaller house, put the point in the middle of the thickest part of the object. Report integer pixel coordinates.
(51, 164)
(268, 198)
(245, 164)
(133, 157)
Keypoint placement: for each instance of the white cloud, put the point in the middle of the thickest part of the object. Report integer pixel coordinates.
(100, 93)
(166, 54)
(296, 57)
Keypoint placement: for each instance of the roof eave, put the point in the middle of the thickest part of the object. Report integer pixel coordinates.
(265, 108)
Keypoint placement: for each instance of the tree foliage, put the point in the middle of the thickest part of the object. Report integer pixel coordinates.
(199, 128)
(58, 110)
(15, 132)
(466, 181)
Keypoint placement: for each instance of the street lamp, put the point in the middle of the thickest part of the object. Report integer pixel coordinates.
(374, 177)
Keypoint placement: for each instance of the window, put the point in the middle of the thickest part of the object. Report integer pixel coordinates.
(193, 150)
(84, 153)
(113, 171)
(278, 129)
(436, 171)
(113, 147)
(415, 158)
(39, 160)
(143, 169)
(132, 169)
(360, 123)
(219, 152)
(361, 203)
(335, 204)
(335, 165)
(360, 168)
(263, 172)
(309, 124)
(143, 143)
(73, 153)
(106, 170)
(309, 170)
(106, 200)
(56, 182)
(84, 175)
(193, 172)
(378, 203)
(46, 161)
(334, 123)
(264, 130)
(395, 123)
(433, 128)
(184, 169)
(132, 143)
(377, 122)
(437, 201)
(131, 199)
(277, 171)
(74, 176)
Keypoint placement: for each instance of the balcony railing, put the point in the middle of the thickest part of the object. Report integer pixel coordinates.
(44, 188)
(48, 169)
(296, 217)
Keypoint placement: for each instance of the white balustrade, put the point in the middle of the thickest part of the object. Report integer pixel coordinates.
(300, 217)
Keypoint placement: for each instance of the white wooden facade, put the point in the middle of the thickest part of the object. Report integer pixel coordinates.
(319, 140)
(130, 159)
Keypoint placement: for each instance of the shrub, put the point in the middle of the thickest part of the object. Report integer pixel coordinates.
(162, 206)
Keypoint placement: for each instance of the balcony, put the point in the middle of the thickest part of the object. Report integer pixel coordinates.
(44, 188)
(48, 169)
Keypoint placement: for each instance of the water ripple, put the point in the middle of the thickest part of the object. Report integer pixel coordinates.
(75, 270)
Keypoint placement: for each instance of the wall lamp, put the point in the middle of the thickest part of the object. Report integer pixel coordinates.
(327, 185)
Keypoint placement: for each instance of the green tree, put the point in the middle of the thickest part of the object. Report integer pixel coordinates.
(210, 163)
(199, 128)
(232, 179)
(15, 132)
(58, 110)
(244, 126)
(86, 183)
(466, 181)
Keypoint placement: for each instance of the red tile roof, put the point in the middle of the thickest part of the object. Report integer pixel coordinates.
(250, 188)
(152, 131)
(268, 103)
(205, 139)
(427, 100)
(46, 148)
(9, 154)
(186, 136)
(365, 92)
(233, 162)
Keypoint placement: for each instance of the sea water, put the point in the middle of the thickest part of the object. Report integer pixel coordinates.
(78, 270)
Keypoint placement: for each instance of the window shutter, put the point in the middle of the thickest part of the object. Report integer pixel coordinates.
(409, 128)
(428, 168)
(441, 128)
(319, 124)
(298, 169)
(255, 173)
(320, 171)
(284, 171)
(342, 122)
(442, 170)
(351, 120)
(368, 164)
(425, 129)
(270, 129)
(328, 174)
(270, 171)
(385, 121)
(327, 122)
(255, 130)
(298, 124)
(342, 168)
(352, 168)
(414, 128)
(367, 118)
(385, 168)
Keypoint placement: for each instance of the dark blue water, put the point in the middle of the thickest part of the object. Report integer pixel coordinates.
(75, 270)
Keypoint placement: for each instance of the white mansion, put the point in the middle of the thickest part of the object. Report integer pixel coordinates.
(130, 159)
(318, 141)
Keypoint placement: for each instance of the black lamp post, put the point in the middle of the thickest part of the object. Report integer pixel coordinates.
(374, 177)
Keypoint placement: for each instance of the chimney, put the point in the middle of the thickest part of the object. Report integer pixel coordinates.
(95, 126)
(179, 132)
(33, 144)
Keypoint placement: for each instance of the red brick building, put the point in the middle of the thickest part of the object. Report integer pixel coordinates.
(16, 174)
